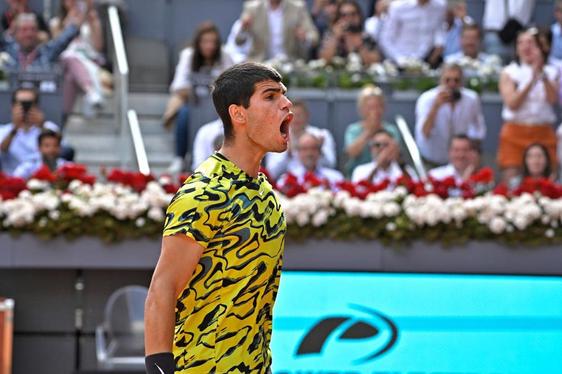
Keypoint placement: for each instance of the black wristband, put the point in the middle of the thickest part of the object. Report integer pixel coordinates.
(160, 363)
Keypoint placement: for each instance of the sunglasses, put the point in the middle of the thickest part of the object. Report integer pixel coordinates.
(378, 145)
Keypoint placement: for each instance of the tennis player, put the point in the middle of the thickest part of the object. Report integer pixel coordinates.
(210, 302)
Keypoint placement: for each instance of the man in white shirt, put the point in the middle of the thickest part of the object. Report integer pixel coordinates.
(496, 15)
(49, 155)
(414, 29)
(386, 153)
(309, 153)
(470, 46)
(277, 28)
(445, 111)
(460, 164)
(208, 139)
(18, 139)
(278, 163)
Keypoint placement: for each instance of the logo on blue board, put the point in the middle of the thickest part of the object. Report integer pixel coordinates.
(369, 331)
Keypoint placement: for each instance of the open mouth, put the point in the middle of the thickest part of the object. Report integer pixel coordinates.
(284, 128)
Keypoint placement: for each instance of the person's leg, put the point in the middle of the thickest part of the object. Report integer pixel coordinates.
(181, 134)
(182, 125)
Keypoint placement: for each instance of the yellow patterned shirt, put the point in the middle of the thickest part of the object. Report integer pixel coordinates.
(223, 315)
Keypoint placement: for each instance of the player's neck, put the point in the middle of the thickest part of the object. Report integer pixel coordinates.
(249, 162)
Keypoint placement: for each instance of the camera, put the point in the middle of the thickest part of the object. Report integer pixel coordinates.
(26, 106)
(455, 95)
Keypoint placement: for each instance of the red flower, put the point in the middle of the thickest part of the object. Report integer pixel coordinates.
(484, 176)
(135, 180)
(10, 187)
(44, 174)
(501, 189)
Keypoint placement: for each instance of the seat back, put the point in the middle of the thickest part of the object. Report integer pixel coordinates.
(124, 321)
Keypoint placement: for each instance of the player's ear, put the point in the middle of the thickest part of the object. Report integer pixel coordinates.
(237, 114)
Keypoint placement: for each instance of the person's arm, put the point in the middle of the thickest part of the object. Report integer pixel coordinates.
(57, 46)
(389, 32)
(329, 157)
(550, 89)
(181, 83)
(7, 141)
(477, 127)
(178, 259)
(354, 146)
(95, 27)
(308, 28)
(512, 98)
(329, 47)
(428, 118)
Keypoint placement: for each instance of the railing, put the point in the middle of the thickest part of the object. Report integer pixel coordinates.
(412, 147)
(138, 143)
(123, 115)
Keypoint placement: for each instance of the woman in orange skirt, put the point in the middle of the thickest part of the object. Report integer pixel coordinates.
(529, 90)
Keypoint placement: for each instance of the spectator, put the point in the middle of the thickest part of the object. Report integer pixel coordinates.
(309, 150)
(537, 163)
(375, 23)
(238, 53)
(445, 111)
(370, 104)
(279, 163)
(470, 46)
(414, 29)
(529, 89)
(459, 166)
(18, 139)
(385, 164)
(207, 140)
(198, 66)
(17, 7)
(456, 17)
(555, 57)
(278, 29)
(346, 38)
(82, 59)
(49, 143)
(506, 18)
(324, 15)
(26, 51)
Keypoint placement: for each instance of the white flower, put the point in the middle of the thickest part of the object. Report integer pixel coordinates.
(320, 218)
(497, 225)
(549, 233)
(521, 222)
(36, 184)
(391, 226)
(54, 215)
(42, 222)
(155, 214)
(140, 222)
(391, 209)
(302, 219)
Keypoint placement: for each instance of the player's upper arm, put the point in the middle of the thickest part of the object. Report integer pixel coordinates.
(178, 258)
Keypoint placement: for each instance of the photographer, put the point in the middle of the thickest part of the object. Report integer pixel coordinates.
(346, 37)
(18, 140)
(445, 111)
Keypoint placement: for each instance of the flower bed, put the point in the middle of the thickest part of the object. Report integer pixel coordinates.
(409, 74)
(130, 205)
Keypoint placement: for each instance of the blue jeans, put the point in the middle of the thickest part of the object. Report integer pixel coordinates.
(182, 133)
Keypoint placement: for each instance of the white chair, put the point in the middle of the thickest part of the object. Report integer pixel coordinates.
(120, 338)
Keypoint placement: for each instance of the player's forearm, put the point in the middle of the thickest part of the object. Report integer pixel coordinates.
(159, 319)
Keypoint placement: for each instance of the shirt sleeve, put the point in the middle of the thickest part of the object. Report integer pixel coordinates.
(389, 32)
(477, 128)
(195, 211)
(182, 76)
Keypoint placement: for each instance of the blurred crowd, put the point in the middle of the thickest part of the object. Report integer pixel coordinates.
(449, 126)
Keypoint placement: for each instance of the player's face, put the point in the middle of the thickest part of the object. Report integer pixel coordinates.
(269, 116)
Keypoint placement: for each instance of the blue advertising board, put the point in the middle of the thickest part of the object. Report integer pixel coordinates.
(417, 324)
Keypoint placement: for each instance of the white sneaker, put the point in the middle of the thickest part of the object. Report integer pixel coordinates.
(176, 166)
(93, 102)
